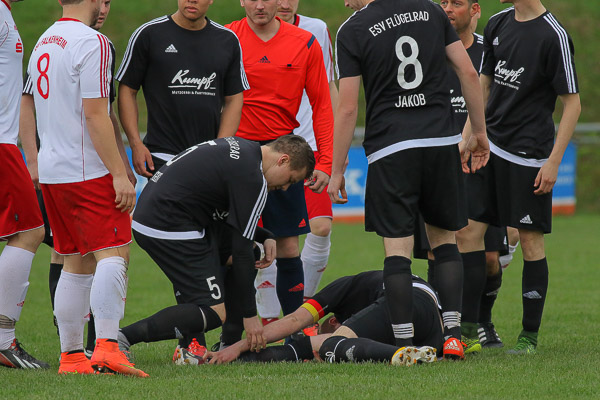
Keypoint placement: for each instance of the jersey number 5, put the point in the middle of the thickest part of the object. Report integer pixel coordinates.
(406, 61)
(43, 75)
(212, 287)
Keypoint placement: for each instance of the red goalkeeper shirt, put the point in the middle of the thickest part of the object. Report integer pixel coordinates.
(278, 72)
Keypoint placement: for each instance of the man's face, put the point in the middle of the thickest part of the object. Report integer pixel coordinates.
(287, 9)
(460, 13)
(260, 12)
(104, 10)
(193, 10)
(354, 4)
(280, 176)
(96, 13)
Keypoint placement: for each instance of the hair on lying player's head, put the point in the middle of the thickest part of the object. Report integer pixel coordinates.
(300, 152)
(329, 324)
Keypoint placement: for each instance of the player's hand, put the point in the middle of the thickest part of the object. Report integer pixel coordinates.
(254, 334)
(478, 148)
(141, 156)
(224, 356)
(337, 189)
(32, 167)
(125, 194)
(318, 182)
(270, 249)
(546, 178)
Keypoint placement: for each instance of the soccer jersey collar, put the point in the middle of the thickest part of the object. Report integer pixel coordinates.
(7, 4)
(281, 29)
(68, 19)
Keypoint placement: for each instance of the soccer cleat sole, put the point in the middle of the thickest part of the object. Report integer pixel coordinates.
(124, 370)
(408, 356)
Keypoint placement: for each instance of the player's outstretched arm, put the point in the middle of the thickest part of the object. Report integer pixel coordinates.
(476, 143)
(546, 177)
(121, 146)
(102, 135)
(345, 122)
(128, 113)
(27, 135)
(231, 115)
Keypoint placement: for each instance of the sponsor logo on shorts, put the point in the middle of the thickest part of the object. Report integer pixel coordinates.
(526, 220)
(533, 295)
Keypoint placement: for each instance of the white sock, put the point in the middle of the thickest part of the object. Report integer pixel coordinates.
(109, 292)
(315, 255)
(15, 265)
(267, 302)
(507, 258)
(72, 308)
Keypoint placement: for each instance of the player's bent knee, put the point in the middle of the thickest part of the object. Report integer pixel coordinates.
(219, 309)
(320, 226)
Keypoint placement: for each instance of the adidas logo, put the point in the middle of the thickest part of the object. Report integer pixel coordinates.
(177, 293)
(264, 60)
(302, 223)
(453, 345)
(298, 288)
(533, 295)
(171, 49)
(265, 285)
(496, 41)
(526, 220)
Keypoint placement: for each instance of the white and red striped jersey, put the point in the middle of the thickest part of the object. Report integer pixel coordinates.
(69, 63)
(318, 28)
(11, 75)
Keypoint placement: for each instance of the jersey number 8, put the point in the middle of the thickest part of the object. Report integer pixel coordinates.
(406, 61)
(43, 75)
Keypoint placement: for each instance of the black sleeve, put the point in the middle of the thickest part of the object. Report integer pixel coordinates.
(347, 53)
(247, 198)
(243, 274)
(489, 62)
(235, 80)
(330, 296)
(112, 93)
(560, 64)
(133, 67)
(262, 234)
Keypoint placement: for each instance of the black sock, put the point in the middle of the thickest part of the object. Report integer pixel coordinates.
(535, 287)
(431, 272)
(53, 277)
(290, 284)
(489, 296)
(91, 334)
(474, 277)
(448, 282)
(339, 348)
(397, 280)
(172, 323)
(297, 350)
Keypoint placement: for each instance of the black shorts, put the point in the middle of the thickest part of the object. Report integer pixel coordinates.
(508, 198)
(48, 238)
(285, 212)
(426, 180)
(374, 323)
(192, 266)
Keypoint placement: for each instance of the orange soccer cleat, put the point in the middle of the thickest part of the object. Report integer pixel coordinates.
(108, 358)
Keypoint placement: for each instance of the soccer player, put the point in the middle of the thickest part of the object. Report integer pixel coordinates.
(317, 243)
(21, 223)
(191, 72)
(410, 143)
(359, 311)
(29, 142)
(482, 272)
(85, 186)
(179, 219)
(282, 61)
(528, 62)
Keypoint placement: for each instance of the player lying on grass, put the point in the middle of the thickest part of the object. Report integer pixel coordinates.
(361, 329)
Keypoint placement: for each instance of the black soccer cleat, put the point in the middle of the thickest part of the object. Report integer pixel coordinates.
(16, 357)
(488, 337)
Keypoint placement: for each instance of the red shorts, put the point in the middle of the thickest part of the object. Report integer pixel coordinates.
(19, 209)
(84, 217)
(318, 205)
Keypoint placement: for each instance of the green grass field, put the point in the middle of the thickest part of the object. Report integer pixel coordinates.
(566, 365)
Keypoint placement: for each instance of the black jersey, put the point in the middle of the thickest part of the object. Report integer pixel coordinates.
(459, 105)
(218, 180)
(349, 294)
(399, 48)
(185, 76)
(531, 63)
